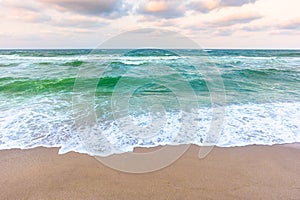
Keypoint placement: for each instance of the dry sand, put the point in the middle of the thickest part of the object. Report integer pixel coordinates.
(253, 172)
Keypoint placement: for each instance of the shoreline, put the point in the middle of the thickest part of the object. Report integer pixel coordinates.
(250, 172)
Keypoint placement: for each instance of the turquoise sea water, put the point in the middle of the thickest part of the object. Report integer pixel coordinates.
(262, 90)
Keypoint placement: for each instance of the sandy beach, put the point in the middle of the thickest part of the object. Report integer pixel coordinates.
(252, 172)
(147, 78)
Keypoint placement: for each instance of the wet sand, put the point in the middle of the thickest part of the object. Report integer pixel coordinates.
(252, 172)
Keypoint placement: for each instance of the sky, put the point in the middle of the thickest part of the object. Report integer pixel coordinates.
(210, 23)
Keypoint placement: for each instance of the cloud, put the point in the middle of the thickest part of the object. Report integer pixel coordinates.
(235, 2)
(255, 28)
(224, 22)
(203, 6)
(30, 5)
(30, 12)
(290, 25)
(104, 8)
(274, 27)
(236, 18)
(223, 33)
(162, 8)
(78, 23)
(38, 15)
(206, 6)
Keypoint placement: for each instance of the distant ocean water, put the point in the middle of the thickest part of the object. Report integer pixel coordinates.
(36, 88)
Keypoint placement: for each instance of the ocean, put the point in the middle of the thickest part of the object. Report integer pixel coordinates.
(107, 101)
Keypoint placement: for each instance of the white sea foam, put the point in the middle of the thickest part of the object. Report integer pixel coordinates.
(246, 124)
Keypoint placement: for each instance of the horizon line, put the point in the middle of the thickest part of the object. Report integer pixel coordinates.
(65, 48)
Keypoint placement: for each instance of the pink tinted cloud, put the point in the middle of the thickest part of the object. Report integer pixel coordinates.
(162, 8)
(236, 18)
(293, 24)
(156, 6)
